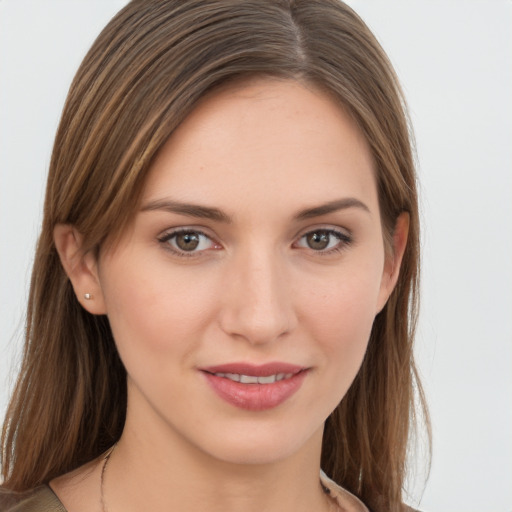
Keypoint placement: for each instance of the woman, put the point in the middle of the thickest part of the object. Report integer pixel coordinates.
(224, 292)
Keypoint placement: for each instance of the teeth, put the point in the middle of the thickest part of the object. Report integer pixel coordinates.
(251, 379)
(267, 380)
(248, 379)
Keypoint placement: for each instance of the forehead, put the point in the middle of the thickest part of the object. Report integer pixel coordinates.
(268, 140)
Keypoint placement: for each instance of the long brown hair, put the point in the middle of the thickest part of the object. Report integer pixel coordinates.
(142, 76)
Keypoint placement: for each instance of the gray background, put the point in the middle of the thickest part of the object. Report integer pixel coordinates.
(454, 58)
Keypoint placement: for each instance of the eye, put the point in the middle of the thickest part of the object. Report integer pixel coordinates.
(188, 242)
(324, 240)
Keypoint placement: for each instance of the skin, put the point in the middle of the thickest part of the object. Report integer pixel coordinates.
(254, 290)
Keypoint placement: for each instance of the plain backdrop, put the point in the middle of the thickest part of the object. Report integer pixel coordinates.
(454, 58)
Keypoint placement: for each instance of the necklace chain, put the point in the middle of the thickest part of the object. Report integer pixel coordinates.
(102, 478)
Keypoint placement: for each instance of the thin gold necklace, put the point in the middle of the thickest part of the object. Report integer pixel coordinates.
(106, 458)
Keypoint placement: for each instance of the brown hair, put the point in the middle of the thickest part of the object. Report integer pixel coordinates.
(140, 79)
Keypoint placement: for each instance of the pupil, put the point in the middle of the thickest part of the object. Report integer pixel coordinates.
(318, 240)
(187, 241)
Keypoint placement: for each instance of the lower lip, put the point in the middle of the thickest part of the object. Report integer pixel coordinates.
(255, 397)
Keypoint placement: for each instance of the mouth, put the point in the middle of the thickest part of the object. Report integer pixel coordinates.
(253, 379)
(255, 387)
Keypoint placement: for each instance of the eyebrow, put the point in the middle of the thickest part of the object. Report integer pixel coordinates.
(188, 209)
(330, 207)
(215, 214)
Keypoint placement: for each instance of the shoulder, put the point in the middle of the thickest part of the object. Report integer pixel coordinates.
(40, 499)
(344, 499)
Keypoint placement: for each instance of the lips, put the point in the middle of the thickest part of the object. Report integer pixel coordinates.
(251, 379)
(255, 387)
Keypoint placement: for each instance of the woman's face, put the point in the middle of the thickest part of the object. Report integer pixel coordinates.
(242, 297)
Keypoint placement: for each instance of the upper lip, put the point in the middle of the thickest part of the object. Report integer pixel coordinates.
(261, 370)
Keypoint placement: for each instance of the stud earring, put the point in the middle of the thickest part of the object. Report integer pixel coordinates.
(87, 296)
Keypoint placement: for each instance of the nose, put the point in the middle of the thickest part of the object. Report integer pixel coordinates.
(256, 299)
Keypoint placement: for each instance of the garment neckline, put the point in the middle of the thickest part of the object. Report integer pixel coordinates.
(344, 500)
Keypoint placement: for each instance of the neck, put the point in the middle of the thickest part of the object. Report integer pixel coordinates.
(160, 472)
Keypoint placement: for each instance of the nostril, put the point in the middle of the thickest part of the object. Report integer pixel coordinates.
(257, 323)
(256, 304)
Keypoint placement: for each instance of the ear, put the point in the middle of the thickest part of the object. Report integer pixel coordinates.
(80, 267)
(394, 260)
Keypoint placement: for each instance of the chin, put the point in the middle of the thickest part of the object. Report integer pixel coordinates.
(254, 447)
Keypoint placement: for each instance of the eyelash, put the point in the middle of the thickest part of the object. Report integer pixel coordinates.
(167, 237)
(344, 240)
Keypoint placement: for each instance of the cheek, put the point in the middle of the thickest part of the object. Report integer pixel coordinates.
(155, 311)
(342, 317)
(339, 315)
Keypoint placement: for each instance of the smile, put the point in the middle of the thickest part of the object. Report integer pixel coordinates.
(253, 379)
(255, 387)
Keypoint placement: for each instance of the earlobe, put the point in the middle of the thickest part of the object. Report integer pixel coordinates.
(394, 259)
(80, 267)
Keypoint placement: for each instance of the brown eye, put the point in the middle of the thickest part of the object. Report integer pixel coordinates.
(324, 240)
(318, 240)
(187, 241)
